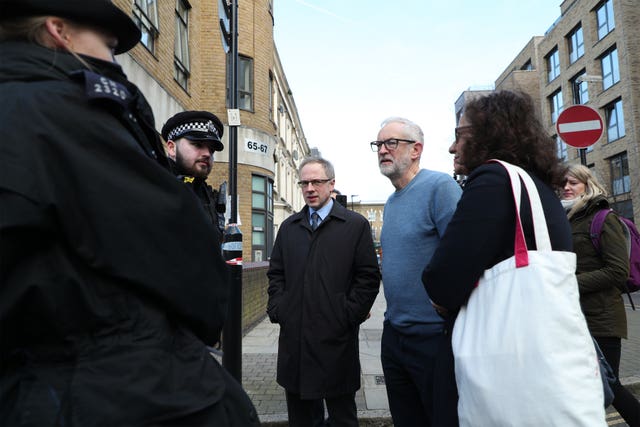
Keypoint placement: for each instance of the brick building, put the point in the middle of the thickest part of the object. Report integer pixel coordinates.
(591, 56)
(373, 211)
(180, 64)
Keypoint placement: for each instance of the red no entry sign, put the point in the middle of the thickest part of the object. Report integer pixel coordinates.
(579, 126)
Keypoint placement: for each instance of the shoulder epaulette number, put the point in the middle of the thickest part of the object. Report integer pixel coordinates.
(99, 86)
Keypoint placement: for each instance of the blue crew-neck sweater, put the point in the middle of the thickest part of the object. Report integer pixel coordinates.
(415, 219)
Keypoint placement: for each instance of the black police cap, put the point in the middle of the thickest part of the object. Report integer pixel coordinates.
(99, 13)
(196, 126)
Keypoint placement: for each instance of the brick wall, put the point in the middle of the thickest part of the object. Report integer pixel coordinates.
(626, 39)
(254, 294)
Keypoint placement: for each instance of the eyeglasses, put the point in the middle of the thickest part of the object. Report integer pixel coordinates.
(314, 182)
(391, 144)
(461, 129)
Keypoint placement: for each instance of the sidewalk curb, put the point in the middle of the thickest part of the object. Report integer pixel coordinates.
(631, 383)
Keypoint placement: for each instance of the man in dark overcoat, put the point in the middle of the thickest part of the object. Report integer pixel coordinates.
(323, 280)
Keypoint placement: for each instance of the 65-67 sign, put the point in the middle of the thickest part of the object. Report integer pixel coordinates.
(256, 147)
(579, 126)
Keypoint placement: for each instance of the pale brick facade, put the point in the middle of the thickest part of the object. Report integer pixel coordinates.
(373, 211)
(624, 37)
(588, 34)
(271, 141)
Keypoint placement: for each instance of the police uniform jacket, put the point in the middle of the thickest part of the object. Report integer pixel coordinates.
(322, 285)
(111, 280)
(207, 196)
(602, 276)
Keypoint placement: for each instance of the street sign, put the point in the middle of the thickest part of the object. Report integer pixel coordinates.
(579, 126)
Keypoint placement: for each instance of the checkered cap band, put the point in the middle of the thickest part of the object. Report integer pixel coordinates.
(204, 127)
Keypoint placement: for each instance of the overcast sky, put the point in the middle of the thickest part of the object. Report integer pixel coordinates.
(352, 63)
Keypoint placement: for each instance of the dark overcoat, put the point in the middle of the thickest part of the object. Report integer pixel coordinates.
(322, 285)
(111, 275)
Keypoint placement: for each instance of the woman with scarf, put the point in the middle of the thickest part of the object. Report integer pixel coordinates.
(602, 275)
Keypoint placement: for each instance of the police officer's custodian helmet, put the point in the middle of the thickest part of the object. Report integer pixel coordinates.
(196, 126)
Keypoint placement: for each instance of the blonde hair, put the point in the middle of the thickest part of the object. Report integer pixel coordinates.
(32, 29)
(592, 187)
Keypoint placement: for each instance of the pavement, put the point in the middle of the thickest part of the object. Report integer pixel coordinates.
(260, 351)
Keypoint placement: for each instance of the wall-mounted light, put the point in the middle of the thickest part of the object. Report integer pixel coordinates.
(587, 78)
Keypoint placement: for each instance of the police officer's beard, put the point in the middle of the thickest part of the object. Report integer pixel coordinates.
(190, 170)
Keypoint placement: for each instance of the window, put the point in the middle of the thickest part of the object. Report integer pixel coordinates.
(528, 66)
(145, 15)
(576, 44)
(181, 48)
(261, 218)
(615, 120)
(610, 69)
(604, 15)
(272, 95)
(620, 182)
(371, 215)
(245, 82)
(553, 64)
(555, 105)
(624, 208)
(561, 149)
(580, 89)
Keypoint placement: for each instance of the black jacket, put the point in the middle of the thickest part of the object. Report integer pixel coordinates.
(109, 286)
(207, 196)
(322, 285)
(481, 234)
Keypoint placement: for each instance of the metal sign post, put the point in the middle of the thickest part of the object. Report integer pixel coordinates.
(232, 245)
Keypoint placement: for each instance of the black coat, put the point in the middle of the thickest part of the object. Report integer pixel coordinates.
(111, 278)
(322, 285)
(481, 234)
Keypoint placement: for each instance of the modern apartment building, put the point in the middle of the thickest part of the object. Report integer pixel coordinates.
(591, 56)
(181, 64)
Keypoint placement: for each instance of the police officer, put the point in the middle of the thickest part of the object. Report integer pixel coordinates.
(192, 139)
(107, 302)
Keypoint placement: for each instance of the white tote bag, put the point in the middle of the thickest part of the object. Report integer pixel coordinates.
(523, 353)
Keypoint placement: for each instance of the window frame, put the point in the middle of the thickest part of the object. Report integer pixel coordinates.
(266, 211)
(245, 65)
(579, 91)
(148, 25)
(575, 44)
(181, 53)
(610, 73)
(552, 61)
(562, 150)
(608, 24)
(620, 182)
(556, 104)
(619, 124)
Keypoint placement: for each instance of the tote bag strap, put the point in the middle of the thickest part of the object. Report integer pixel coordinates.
(543, 242)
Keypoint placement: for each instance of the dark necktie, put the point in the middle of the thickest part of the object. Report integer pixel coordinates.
(315, 220)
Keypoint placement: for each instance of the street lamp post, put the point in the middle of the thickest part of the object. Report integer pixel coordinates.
(352, 197)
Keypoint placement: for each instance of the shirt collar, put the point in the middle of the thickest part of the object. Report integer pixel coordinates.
(323, 211)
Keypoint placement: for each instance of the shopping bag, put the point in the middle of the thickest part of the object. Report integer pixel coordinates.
(523, 353)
